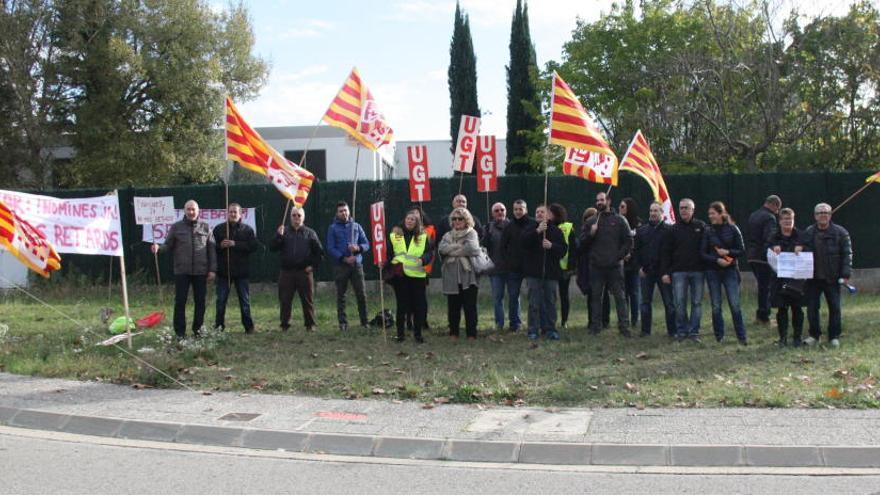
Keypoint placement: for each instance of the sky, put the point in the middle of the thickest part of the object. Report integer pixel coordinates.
(401, 48)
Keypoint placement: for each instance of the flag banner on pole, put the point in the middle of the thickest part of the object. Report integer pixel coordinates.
(419, 179)
(873, 178)
(26, 243)
(377, 232)
(589, 165)
(245, 146)
(639, 159)
(466, 146)
(572, 127)
(354, 110)
(487, 164)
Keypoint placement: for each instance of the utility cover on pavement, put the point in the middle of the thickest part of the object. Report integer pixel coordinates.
(541, 422)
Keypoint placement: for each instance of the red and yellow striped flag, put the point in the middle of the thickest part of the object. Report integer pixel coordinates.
(571, 125)
(26, 243)
(873, 178)
(639, 159)
(354, 110)
(245, 146)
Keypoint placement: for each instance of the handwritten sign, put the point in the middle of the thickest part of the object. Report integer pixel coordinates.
(153, 210)
(212, 217)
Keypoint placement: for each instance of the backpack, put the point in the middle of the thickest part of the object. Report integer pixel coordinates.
(376, 322)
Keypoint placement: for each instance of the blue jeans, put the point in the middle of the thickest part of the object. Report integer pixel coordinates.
(684, 283)
(814, 291)
(514, 285)
(632, 289)
(648, 283)
(729, 279)
(504, 283)
(244, 302)
(542, 304)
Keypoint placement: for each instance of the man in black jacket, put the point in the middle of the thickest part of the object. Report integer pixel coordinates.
(543, 247)
(761, 227)
(233, 251)
(301, 251)
(511, 257)
(648, 244)
(832, 266)
(682, 266)
(609, 239)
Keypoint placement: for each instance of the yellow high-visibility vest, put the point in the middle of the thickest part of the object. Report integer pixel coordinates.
(410, 257)
(566, 231)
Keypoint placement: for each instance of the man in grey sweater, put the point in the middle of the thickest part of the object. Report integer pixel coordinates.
(191, 244)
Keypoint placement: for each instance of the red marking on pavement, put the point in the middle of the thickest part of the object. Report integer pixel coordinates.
(341, 416)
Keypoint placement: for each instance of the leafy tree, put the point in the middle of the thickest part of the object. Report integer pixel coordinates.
(523, 101)
(462, 75)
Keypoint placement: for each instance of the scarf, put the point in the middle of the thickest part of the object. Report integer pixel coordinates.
(458, 237)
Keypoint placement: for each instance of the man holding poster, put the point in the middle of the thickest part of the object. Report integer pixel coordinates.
(192, 249)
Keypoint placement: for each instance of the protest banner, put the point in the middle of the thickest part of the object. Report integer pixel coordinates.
(153, 210)
(211, 216)
(487, 164)
(377, 232)
(76, 225)
(419, 181)
(465, 147)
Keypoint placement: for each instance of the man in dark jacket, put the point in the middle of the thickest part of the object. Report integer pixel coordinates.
(682, 266)
(346, 245)
(511, 256)
(761, 227)
(498, 275)
(233, 266)
(543, 247)
(301, 252)
(609, 240)
(648, 244)
(443, 226)
(832, 266)
(191, 244)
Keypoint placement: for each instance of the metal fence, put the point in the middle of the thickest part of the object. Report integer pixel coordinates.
(742, 193)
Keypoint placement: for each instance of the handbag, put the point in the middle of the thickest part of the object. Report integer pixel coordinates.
(395, 270)
(482, 263)
(793, 288)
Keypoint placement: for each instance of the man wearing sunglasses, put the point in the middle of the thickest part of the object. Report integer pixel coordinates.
(498, 276)
(832, 266)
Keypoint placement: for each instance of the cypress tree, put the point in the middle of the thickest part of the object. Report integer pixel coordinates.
(462, 74)
(522, 96)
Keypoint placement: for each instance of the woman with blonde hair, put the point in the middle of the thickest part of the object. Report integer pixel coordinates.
(457, 248)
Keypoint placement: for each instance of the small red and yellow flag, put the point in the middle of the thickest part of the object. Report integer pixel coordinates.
(571, 126)
(354, 109)
(873, 178)
(639, 159)
(245, 146)
(26, 243)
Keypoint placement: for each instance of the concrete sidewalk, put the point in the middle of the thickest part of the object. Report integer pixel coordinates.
(651, 437)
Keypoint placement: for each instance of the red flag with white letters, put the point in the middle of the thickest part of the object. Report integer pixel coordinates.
(377, 232)
(465, 148)
(487, 164)
(419, 181)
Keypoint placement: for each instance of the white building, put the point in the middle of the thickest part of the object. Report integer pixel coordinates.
(332, 154)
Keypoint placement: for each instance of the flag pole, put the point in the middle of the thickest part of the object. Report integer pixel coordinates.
(303, 160)
(851, 196)
(156, 262)
(354, 191)
(460, 181)
(124, 289)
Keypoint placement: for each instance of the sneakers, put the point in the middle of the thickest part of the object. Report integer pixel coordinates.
(553, 335)
(810, 341)
(835, 343)
(695, 339)
(533, 336)
(343, 327)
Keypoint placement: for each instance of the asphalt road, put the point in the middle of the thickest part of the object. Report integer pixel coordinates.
(41, 462)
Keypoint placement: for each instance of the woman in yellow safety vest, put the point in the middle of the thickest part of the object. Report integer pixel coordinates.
(411, 251)
(457, 248)
(567, 263)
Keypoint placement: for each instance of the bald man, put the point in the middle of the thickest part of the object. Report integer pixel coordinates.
(191, 244)
(459, 201)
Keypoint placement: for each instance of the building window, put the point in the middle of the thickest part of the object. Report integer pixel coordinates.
(316, 161)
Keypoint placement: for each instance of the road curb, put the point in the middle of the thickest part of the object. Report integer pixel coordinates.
(451, 449)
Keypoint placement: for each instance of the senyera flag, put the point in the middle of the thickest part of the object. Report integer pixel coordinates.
(245, 146)
(572, 127)
(354, 110)
(26, 243)
(589, 165)
(873, 178)
(639, 159)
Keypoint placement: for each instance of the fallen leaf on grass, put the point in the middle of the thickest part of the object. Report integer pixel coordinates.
(378, 391)
(140, 386)
(429, 355)
(642, 355)
(620, 360)
(594, 387)
(833, 393)
(841, 373)
(631, 387)
(428, 406)
(259, 384)
(207, 393)
(441, 400)
(314, 354)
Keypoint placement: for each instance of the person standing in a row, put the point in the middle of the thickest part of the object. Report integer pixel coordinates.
(301, 252)
(543, 247)
(233, 266)
(457, 247)
(513, 256)
(498, 276)
(786, 294)
(721, 246)
(629, 210)
(648, 248)
(682, 266)
(412, 250)
(346, 244)
(761, 226)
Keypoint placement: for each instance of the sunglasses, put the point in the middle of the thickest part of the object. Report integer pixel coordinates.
(457, 219)
(823, 213)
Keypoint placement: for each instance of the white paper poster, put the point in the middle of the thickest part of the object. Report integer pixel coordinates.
(212, 217)
(791, 265)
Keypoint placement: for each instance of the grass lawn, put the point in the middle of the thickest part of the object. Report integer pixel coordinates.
(504, 368)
